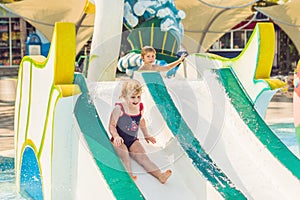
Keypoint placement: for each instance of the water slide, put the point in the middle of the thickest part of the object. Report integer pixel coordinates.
(231, 131)
(214, 115)
(63, 150)
(217, 146)
(167, 154)
(234, 134)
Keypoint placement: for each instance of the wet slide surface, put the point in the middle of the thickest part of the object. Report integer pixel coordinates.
(186, 181)
(185, 137)
(256, 124)
(100, 146)
(92, 115)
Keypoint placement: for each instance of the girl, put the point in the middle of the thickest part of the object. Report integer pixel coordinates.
(125, 121)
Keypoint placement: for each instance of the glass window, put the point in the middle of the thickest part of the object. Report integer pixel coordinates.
(238, 39)
(233, 40)
(225, 41)
(248, 33)
(4, 42)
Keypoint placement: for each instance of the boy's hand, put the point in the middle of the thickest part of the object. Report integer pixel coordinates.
(151, 139)
(118, 141)
(182, 57)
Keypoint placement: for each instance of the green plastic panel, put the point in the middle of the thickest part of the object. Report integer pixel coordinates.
(187, 140)
(256, 124)
(101, 148)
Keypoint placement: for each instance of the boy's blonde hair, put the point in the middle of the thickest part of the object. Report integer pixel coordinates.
(147, 49)
(131, 87)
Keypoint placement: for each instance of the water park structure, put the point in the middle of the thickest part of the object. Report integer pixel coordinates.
(208, 120)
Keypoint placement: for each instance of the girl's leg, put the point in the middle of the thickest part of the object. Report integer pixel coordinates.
(123, 153)
(138, 152)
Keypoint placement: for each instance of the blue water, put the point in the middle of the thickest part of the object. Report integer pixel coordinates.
(8, 190)
(286, 133)
(7, 180)
(7, 185)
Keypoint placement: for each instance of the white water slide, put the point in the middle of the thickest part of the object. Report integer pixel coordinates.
(217, 145)
(181, 113)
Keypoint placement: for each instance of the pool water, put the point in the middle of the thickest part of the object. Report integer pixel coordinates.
(286, 133)
(7, 186)
(8, 191)
(7, 180)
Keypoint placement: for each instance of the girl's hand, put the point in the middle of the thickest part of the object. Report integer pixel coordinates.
(151, 139)
(118, 141)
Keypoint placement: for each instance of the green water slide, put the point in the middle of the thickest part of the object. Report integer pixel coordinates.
(244, 107)
(200, 159)
(101, 148)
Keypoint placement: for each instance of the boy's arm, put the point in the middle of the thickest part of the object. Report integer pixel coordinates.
(113, 124)
(170, 65)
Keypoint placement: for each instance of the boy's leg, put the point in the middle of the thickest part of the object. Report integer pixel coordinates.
(138, 153)
(123, 153)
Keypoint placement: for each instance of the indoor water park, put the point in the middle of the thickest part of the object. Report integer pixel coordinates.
(149, 99)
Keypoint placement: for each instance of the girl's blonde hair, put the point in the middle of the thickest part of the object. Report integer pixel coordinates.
(131, 87)
(147, 49)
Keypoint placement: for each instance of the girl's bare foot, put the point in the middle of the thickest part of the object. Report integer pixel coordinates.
(164, 176)
(133, 177)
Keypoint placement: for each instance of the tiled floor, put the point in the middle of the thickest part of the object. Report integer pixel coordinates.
(280, 108)
(6, 126)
